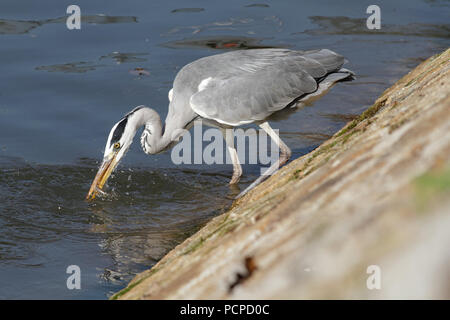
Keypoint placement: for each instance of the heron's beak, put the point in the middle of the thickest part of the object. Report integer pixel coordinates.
(102, 176)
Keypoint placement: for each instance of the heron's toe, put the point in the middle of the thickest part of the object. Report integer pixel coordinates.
(235, 179)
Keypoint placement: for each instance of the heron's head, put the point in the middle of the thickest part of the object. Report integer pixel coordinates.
(119, 141)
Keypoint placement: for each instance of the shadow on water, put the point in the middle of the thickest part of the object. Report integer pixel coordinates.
(346, 25)
(187, 10)
(123, 57)
(85, 66)
(243, 25)
(71, 67)
(257, 5)
(224, 42)
(23, 26)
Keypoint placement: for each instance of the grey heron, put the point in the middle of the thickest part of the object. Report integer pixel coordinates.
(227, 90)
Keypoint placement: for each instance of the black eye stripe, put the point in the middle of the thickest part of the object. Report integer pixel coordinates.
(118, 132)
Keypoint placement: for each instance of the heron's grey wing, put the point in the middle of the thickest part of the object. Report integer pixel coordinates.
(260, 83)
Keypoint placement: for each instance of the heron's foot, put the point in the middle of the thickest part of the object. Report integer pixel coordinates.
(237, 172)
(284, 157)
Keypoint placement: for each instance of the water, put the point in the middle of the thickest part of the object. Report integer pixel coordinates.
(61, 91)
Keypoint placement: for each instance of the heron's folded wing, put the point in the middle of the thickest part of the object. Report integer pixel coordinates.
(249, 85)
(254, 94)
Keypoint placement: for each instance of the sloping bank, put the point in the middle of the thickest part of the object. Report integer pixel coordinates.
(376, 194)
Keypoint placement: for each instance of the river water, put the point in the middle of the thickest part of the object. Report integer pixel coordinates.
(62, 90)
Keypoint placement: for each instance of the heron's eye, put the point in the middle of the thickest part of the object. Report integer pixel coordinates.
(117, 145)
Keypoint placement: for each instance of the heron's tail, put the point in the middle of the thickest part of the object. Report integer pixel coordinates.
(330, 60)
(345, 75)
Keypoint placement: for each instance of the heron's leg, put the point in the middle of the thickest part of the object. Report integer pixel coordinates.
(285, 154)
(237, 169)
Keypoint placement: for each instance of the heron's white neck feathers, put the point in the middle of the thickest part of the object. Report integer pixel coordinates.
(152, 138)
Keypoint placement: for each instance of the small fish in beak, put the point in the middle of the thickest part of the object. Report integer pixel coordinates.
(102, 176)
(118, 143)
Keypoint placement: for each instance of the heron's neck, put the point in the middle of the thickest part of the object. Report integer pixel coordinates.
(154, 139)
